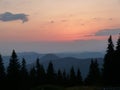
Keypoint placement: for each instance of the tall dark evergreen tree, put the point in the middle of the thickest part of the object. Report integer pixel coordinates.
(108, 66)
(59, 77)
(79, 80)
(2, 73)
(32, 77)
(43, 75)
(65, 78)
(64, 75)
(118, 44)
(72, 76)
(117, 63)
(40, 73)
(24, 71)
(24, 75)
(93, 77)
(98, 75)
(50, 73)
(2, 69)
(14, 65)
(13, 71)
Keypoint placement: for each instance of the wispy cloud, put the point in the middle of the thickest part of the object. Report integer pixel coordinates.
(52, 21)
(102, 19)
(106, 32)
(8, 16)
(64, 20)
(110, 19)
(97, 19)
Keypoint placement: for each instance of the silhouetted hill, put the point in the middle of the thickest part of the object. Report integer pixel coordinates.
(24, 54)
(82, 54)
(30, 57)
(49, 57)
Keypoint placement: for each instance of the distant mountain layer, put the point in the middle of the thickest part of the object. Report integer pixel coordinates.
(60, 61)
(82, 54)
(49, 57)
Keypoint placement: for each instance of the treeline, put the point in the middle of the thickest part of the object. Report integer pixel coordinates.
(111, 66)
(17, 77)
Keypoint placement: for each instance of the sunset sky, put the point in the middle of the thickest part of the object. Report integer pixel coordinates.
(48, 26)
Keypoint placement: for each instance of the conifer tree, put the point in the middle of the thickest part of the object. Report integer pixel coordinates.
(108, 69)
(14, 65)
(32, 77)
(64, 75)
(24, 71)
(93, 77)
(72, 76)
(40, 72)
(13, 71)
(43, 75)
(24, 75)
(116, 64)
(50, 73)
(118, 44)
(2, 69)
(79, 80)
(65, 78)
(59, 77)
(2, 73)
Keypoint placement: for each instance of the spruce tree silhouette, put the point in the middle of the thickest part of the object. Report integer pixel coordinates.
(93, 77)
(59, 77)
(72, 80)
(40, 73)
(32, 77)
(65, 78)
(50, 74)
(43, 75)
(24, 75)
(2, 73)
(117, 63)
(13, 72)
(108, 66)
(118, 44)
(79, 80)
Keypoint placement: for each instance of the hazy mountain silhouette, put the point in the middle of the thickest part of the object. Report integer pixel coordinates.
(49, 57)
(62, 61)
(82, 54)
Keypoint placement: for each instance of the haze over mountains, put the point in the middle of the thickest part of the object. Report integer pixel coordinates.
(60, 60)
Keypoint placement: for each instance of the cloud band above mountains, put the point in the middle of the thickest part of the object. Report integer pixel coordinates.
(106, 32)
(8, 16)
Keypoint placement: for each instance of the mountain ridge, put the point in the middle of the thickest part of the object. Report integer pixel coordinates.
(59, 62)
